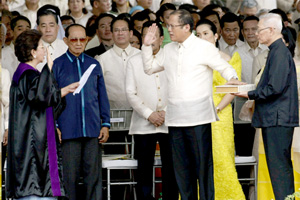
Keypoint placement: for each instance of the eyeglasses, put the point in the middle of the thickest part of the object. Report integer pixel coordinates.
(75, 40)
(261, 29)
(121, 30)
(171, 26)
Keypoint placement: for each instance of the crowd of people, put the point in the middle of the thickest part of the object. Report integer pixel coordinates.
(162, 59)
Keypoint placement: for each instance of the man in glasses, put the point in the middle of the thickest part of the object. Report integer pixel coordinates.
(188, 63)
(47, 24)
(85, 122)
(114, 62)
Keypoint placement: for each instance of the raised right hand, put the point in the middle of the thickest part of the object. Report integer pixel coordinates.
(150, 35)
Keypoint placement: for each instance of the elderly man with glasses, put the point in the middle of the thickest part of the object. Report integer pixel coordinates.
(85, 122)
(276, 105)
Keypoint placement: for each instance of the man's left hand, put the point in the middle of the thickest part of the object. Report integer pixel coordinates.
(104, 135)
(241, 94)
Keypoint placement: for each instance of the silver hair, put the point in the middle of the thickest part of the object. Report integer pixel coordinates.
(272, 20)
(249, 4)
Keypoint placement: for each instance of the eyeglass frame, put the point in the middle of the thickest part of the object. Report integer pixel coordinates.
(75, 40)
(261, 29)
(171, 26)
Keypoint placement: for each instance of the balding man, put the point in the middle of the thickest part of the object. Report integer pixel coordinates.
(276, 105)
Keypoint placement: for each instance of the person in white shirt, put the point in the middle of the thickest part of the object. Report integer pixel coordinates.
(189, 63)
(12, 4)
(148, 97)
(230, 25)
(29, 9)
(47, 22)
(114, 62)
(9, 59)
(78, 11)
(250, 48)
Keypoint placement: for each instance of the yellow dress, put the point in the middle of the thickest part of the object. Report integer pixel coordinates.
(226, 182)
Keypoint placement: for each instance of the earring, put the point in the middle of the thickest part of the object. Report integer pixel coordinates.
(34, 56)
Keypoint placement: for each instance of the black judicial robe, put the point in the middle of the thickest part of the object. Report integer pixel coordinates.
(34, 162)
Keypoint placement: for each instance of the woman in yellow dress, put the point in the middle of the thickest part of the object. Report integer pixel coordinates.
(227, 185)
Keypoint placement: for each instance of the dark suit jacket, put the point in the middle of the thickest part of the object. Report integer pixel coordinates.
(96, 51)
(276, 95)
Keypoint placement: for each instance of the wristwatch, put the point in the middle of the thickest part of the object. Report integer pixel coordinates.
(218, 109)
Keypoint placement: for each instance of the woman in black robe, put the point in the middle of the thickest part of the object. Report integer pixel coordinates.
(34, 169)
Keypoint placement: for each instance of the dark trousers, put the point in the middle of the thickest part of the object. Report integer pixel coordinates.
(192, 156)
(145, 146)
(277, 142)
(85, 153)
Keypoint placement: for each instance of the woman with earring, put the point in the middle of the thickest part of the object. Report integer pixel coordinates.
(34, 169)
(226, 182)
(78, 11)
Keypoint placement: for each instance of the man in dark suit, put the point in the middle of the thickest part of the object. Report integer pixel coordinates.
(104, 34)
(276, 105)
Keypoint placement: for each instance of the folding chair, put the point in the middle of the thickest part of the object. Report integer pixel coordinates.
(120, 120)
(248, 161)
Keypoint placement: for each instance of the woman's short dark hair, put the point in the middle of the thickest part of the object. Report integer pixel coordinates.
(25, 42)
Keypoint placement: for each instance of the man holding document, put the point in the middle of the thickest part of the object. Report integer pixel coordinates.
(85, 122)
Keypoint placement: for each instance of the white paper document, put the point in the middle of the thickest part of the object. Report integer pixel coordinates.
(84, 78)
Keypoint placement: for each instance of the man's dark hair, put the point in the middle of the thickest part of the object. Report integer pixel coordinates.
(281, 13)
(149, 23)
(210, 7)
(14, 21)
(15, 14)
(102, 15)
(25, 42)
(250, 18)
(121, 18)
(207, 13)
(229, 18)
(67, 32)
(163, 8)
(67, 17)
(92, 2)
(48, 10)
(140, 16)
(190, 8)
(184, 17)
